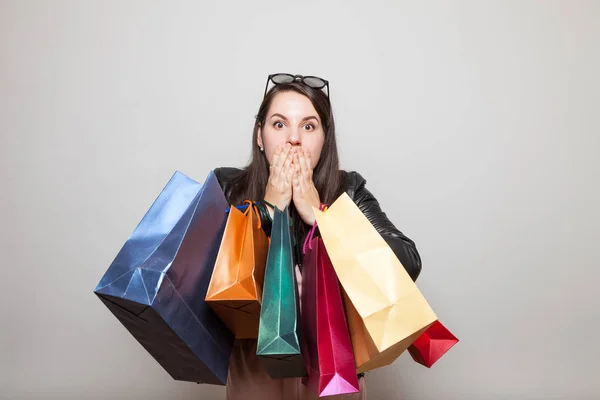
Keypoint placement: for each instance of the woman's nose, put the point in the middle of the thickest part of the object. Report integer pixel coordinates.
(294, 137)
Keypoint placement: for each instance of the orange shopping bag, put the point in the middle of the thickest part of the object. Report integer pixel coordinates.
(385, 309)
(235, 289)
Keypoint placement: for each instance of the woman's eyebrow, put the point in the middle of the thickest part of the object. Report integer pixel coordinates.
(303, 119)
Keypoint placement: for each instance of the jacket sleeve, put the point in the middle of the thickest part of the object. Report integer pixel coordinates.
(402, 246)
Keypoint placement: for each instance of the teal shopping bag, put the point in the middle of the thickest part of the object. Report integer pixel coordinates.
(279, 330)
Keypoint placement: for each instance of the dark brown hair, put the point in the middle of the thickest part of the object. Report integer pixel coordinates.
(252, 181)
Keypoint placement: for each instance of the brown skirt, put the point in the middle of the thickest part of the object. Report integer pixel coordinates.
(248, 380)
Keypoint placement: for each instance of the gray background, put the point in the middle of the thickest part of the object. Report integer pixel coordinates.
(474, 122)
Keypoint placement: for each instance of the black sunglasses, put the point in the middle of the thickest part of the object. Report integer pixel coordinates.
(313, 81)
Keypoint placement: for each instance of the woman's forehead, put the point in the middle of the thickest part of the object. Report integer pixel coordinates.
(292, 105)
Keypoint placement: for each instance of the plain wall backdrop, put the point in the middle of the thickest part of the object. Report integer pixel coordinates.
(475, 124)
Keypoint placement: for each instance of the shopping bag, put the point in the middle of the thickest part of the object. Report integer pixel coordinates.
(235, 289)
(157, 283)
(329, 357)
(386, 311)
(278, 344)
(432, 344)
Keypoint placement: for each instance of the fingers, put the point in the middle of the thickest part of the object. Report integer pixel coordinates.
(298, 183)
(281, 154)
(304, 165)
(288, 163)
(290, 175)
(302, 159)
(280, 166)
(309, 165)
(276, 157)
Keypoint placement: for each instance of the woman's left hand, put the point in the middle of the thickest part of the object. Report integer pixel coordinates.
(304, 192)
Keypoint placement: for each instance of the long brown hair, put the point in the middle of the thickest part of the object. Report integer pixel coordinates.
(328, 179)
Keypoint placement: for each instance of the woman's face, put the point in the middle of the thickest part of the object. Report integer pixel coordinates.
(292, 119)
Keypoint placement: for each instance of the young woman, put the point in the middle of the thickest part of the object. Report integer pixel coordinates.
(295, 163)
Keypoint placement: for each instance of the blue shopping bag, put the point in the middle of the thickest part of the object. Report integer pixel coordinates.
(157, 283)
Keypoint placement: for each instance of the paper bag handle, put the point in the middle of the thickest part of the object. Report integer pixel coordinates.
(310, 236)
(252, 204)
(246, 205)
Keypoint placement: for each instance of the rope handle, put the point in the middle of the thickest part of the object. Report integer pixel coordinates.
(310, 236)
(253, 204)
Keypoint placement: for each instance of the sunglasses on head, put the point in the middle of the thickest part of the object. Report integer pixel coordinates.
(312, 81)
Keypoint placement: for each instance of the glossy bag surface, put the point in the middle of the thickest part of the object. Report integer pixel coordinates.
(235, 290)
(432, 344)
(279, 330)
(157, 283)
(329, 356)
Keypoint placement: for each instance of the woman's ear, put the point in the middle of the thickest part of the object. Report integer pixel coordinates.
(259, 140)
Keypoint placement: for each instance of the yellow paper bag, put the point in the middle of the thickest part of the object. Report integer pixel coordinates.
(386, 311)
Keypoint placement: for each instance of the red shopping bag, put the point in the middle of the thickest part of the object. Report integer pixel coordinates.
(432, 344)
(328, 354)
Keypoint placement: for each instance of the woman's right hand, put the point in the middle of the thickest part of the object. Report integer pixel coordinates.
(279, 186)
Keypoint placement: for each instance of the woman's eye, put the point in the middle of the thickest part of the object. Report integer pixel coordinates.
(278, 124)
(311, 126)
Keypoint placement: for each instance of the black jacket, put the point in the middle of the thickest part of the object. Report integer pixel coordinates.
(403, 247)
